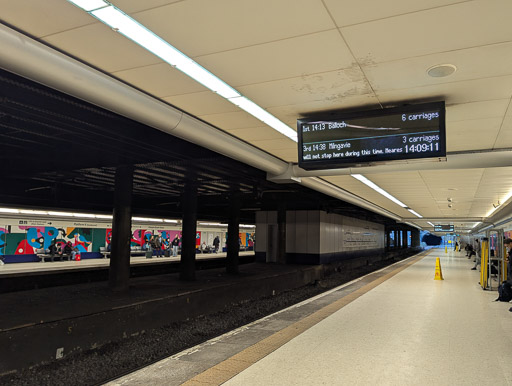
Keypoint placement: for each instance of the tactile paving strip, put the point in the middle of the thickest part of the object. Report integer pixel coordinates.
(227, 369)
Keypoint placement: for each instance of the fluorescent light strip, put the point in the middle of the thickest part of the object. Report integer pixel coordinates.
(24, 211)
(105, 216)
(147, 219)
(476, 225)
(89, 5)
(87, 215)
(264, 116)
(125, 25)
(9, 210)
(415, 213)
(370, 184)
(61, 214)
(428, 222)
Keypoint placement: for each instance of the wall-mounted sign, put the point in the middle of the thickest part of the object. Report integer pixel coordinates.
(443, 228)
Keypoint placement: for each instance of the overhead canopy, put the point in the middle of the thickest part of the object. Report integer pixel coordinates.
(297, 58)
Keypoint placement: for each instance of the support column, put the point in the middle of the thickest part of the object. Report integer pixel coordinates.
(415, 234)
(189, 229)
(233, 246)
(388, 238)
(281, 233)
(397, 240)
(119, 271)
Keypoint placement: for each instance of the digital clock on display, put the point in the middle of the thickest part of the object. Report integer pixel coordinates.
(337, 139)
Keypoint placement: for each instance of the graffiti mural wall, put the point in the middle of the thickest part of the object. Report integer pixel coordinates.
(22, 238)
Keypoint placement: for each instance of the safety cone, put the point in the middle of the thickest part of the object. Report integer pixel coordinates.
(439, 273)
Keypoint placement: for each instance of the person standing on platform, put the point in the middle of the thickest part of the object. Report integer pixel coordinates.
(478, 250)
(158, 246)
(216, 243)
(175, 244)
(508, 245)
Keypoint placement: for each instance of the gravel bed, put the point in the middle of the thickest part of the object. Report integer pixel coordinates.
(114, 359)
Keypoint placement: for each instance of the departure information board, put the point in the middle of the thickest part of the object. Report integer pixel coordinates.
(443, 228)
(336, 140)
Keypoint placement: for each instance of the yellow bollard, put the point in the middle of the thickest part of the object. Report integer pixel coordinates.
(445, 249)
(439, 273)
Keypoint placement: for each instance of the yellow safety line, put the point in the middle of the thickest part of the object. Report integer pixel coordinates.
(234, 365)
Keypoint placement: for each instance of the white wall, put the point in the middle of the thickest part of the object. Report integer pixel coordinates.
(316, 232)
(263, 219)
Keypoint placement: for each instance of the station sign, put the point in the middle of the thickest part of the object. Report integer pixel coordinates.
(443, 228)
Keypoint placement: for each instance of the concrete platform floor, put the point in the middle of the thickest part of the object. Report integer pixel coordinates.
(393, 327)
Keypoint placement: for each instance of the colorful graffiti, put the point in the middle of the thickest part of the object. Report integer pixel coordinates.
(3, 232)
(24, 240)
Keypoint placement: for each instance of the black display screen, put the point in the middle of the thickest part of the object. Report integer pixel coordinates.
(443, 228)
(335, 140)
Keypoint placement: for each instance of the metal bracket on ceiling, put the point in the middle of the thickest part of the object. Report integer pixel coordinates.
(286, 177)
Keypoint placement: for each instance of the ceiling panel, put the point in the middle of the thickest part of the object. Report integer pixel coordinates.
(454, 93)
(476, 110)
(288, 155)
(160, 80)
(202, 103)
(257, 133)
(471, 63)
(276, 144)
(504, 138)
(98, 45)
(427, 32)
(287, 58)
(231, 121)
(358, 188)
(397, 184)
(131, 6)
(324, 87)
(41, 18)
(200, 27)
(495, 183)
(473, 134)
(301, 110)
(349, 12)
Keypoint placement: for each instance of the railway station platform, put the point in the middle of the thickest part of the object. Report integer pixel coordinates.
(60, 266)
(29, 276)
(396, 326)
(36, 324)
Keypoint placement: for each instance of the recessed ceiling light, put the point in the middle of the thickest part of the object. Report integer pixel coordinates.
(441, 70)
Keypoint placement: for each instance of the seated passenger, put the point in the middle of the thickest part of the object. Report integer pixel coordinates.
(52, 249)
(68, 248)
(478, 253)
(74, 253)
(469, 251)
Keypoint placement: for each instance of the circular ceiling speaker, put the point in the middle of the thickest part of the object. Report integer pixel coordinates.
(441, 70)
